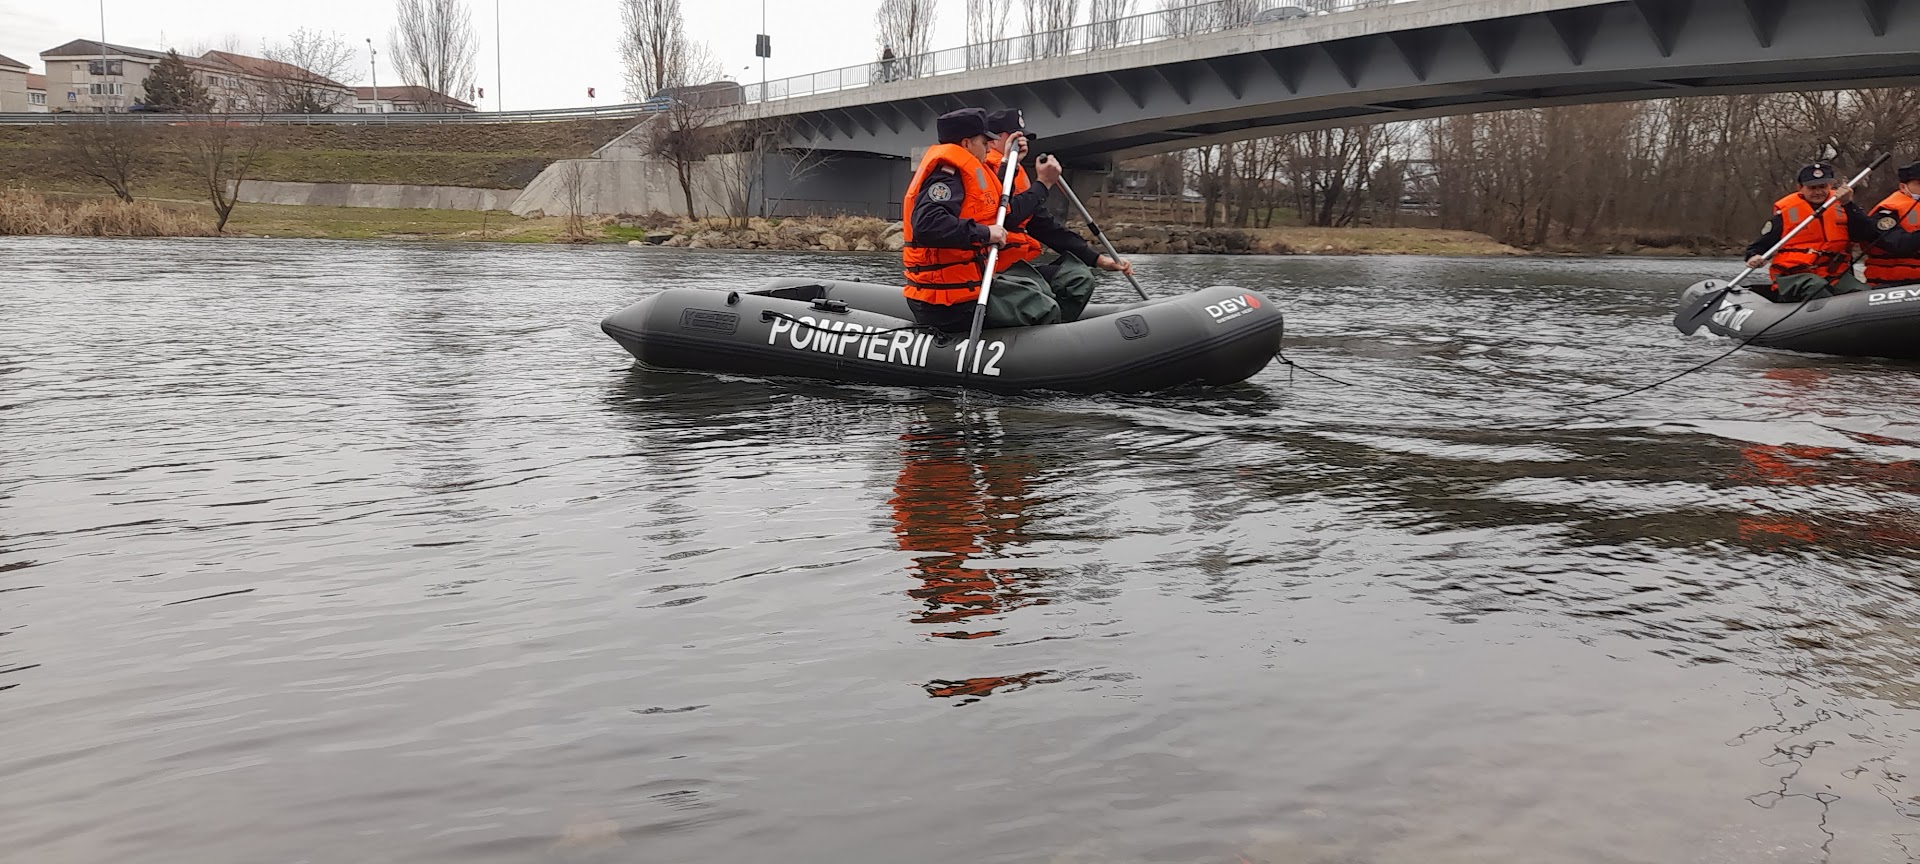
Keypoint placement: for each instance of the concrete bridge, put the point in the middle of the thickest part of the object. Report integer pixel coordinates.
(1157, 84)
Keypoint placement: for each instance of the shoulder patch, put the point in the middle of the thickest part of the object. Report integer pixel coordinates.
(949, 171)
(940, 192)
(1767, 227)
(1887, 223)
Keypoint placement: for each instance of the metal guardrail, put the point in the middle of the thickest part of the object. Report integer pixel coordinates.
(1197, 19)
(628, 110)
(1180, 22)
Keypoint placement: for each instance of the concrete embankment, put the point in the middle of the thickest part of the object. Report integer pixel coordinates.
(380, 195)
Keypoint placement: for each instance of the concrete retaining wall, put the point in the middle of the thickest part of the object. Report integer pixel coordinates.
(377, 195)
(610, 186)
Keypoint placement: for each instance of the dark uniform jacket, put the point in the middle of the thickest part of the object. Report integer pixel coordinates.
(937, 222)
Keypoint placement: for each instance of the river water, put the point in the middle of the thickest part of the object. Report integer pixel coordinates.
(362, 553)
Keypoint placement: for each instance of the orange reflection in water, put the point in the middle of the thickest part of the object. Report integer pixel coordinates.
(954, 503)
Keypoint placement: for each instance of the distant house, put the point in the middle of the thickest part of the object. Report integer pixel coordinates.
(13, 85)
(36, 93)
(407, 99)
(89, 76)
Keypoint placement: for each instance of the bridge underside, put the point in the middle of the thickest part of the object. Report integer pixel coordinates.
(1401, 66)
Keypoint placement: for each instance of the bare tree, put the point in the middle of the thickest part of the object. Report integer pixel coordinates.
(1184, 18)
(653, 47)
(987, 32)
(308, 73)
(222, 150)
(1235, 13)
(114, 152)
(905, 27)
(1109, 23)
(433, 47)
(573, 184)
(684, 134)
(1049, 27)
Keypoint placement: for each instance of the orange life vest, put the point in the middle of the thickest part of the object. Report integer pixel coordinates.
(1819, 248)
(1020, 247)
(1883, 269)
(949, 276)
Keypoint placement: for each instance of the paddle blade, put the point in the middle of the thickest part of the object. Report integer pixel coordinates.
(1694, 313)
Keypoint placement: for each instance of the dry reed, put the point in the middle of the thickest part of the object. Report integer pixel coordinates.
(25, 212)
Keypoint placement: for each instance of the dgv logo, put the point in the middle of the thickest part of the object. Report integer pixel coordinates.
(1227, 310)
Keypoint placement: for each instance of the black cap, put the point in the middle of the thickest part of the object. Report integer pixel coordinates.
(1817, 173)
(1910, 173)
(1010, 120)
(957, 126)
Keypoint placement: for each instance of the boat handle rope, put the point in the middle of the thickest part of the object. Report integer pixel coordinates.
(1725, 356)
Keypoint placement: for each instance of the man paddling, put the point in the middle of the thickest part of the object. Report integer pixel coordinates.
(1894, 256)
(1066, 271)
(1817, 262)
(950, 209)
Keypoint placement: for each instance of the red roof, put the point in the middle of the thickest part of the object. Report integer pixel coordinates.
(36, 82)
(410, 93)
(270, 68)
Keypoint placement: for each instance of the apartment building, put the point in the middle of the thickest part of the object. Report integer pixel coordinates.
(13, 85)
(96, 77)
(90, 76)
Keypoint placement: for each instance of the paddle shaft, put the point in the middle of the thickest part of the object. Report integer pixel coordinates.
(993, 260)
(1111, 253)
(1824, 205)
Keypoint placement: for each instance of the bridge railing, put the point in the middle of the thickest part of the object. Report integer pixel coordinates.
(1158, 26)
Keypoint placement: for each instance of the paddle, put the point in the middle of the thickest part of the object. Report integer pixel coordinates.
(1689, 318)
(1102, 235)
(993, 258)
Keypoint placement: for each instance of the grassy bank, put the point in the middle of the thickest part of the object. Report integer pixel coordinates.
(488, 156)
(1384, 241)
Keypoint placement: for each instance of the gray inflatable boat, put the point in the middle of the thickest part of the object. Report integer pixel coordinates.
(862, 332)
(1882, 322)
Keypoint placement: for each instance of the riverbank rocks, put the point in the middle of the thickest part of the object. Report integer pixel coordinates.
(868, 234)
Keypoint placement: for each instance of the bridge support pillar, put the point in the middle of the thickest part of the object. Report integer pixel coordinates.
(834, 184)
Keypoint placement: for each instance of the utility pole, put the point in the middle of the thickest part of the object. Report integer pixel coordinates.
(103, 53)
(373, 63)
(763, 48)
(499, 78)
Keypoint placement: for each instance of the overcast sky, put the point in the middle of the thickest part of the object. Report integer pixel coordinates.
(552, 50)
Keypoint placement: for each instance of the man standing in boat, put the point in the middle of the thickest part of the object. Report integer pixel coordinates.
(950, 209)
(1067, 271)
(1894, 256)
(1818, 261)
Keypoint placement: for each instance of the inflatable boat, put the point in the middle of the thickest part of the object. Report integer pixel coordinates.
(1882, 322)
(864, 333)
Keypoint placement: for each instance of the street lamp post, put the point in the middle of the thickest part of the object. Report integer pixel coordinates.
(500, 79)
(373, 63)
